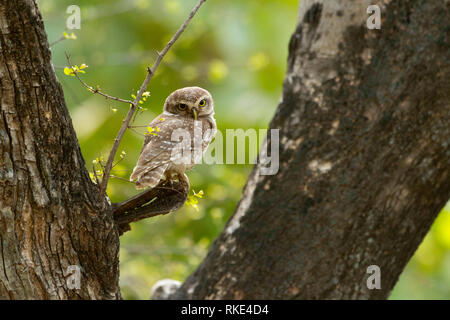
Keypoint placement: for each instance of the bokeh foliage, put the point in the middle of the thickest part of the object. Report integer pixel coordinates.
(237, 50)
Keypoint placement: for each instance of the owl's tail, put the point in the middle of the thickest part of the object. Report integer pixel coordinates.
(148, 178)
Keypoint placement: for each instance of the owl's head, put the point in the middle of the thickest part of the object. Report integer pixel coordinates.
(190, 102)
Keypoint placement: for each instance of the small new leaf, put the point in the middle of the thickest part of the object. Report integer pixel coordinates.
(152, 131)
(71, 36)
(69, 71)
(199, 194)
(192, 199)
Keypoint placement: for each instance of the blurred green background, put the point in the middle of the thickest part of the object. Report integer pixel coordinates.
(237, 50)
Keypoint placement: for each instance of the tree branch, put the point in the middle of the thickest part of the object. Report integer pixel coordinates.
(95, 90)
(164, 198)
(62, 38)
(150, 73)
(364, 163)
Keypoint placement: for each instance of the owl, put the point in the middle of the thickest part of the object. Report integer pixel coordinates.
(176, 137)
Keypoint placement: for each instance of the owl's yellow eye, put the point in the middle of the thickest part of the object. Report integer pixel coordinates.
(182, 106)
(202, 103)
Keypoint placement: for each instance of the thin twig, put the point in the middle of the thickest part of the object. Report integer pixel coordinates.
(134, 105)
(57, 41)
(138, 133)
(138, 126)
(95, 174)
(102, 167)
(135, 116)
(120, 178)
(96, 90)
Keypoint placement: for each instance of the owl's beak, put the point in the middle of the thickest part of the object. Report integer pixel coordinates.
(194, 113)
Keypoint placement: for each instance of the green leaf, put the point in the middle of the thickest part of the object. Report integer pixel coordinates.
(68, 71)
(152, 131)
(199, 194)
(71, 36)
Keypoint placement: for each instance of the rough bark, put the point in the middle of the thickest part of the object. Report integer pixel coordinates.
(365, 149)
(364, 159)
(50, 216)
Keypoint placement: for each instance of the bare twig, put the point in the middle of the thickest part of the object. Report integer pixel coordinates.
(134, 117)
(57, 41)
(96, 90)
(135, 103)
(120, 178)
(95, 174)
(137, 132)
(115, 164)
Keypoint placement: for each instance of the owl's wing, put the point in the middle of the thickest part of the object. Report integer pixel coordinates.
(157, 152)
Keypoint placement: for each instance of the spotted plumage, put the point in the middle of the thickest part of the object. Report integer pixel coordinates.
(180, 135)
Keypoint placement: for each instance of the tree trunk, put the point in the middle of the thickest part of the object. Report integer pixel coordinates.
(50, 216)
(364, 159)
(364, 165)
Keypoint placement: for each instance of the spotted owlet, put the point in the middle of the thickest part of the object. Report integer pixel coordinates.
(177, 138)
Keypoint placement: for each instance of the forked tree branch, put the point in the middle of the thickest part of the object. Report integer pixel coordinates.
(135, 103)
